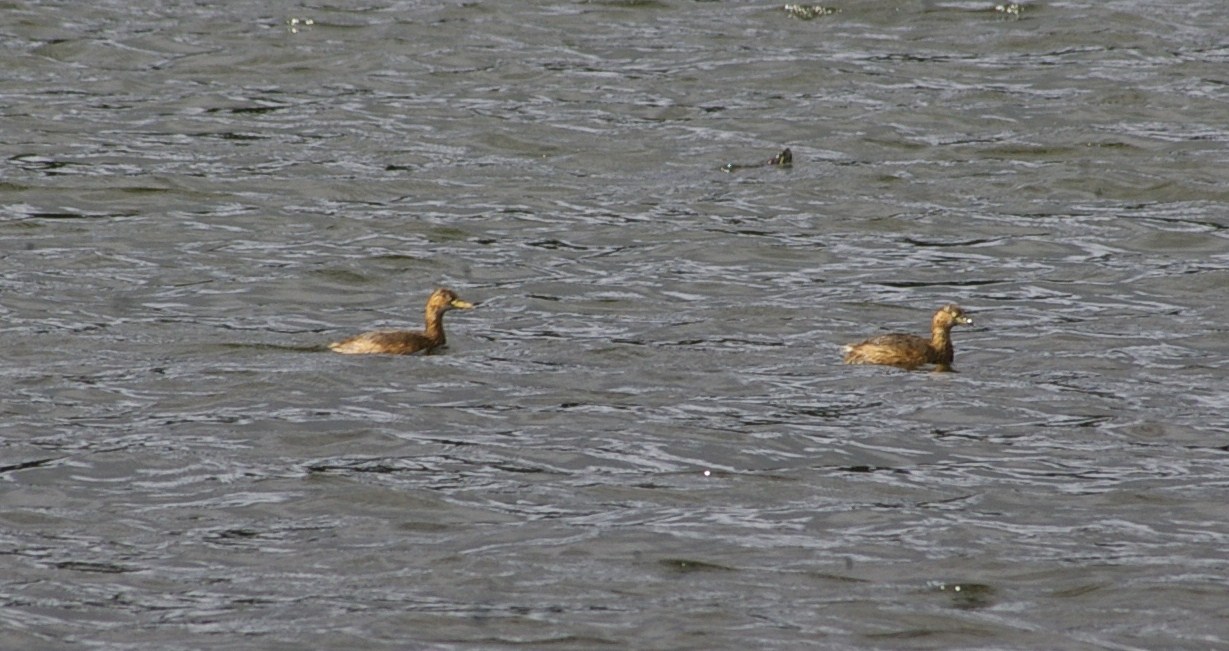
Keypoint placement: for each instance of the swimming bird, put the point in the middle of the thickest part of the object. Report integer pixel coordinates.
(405, 342)
(911, 351)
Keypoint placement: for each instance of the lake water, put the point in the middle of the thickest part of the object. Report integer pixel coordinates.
(643, 437)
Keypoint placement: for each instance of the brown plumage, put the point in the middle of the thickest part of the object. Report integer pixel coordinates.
(404, 342)
(910, 351)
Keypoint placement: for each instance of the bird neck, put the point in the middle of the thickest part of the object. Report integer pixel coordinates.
(435, 325)
(941, 340)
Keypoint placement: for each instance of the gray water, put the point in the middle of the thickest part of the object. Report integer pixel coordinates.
(643, 437)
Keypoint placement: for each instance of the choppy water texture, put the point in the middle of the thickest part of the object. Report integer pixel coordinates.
(643, 437)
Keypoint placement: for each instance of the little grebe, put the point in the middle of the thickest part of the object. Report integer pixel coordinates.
(402, 342)
(910, 351)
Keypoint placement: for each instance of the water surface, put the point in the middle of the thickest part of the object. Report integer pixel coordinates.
(643, 437)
